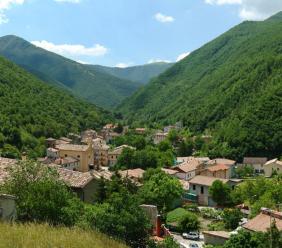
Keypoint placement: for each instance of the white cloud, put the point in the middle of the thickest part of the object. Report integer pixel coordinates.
(163, 18)
(5, 5)
(158, 61)
(182, 56)
(68, 1)
(123, 65)
(253, 9)
(72, 50)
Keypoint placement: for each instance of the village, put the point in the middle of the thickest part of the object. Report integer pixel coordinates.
(81, 160)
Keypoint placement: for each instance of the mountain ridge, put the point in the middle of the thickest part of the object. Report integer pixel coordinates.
(219, 86)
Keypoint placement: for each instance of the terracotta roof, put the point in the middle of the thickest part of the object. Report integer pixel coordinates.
(221, 234)
(75, 179)
(188, 166)
(261, 222)
(71, 147)
(118, 150)
(66, 160)
(5, 164)
(254, 160)
(218, 167)
(222, 161)
(169, 171)
(206, 181)
(134, 173)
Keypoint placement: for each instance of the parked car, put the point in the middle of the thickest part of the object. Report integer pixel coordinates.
(191, 235)
(193, 245)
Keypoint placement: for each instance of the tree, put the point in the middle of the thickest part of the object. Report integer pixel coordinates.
(245, 239)
(126, 159)
(189, 222)
(164, 146)
(10, 151)
(220, 193)
(41, 196)
(121, 217)
(231, 218)
(160, 189)
(244, 171)
(118, 128)
(101, 192)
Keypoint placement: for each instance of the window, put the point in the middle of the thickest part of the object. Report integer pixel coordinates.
(194, 187)
(78, 156)
(202, 190)
(66, 155)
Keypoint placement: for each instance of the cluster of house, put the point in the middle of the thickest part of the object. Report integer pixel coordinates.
(260, 223)
(84, 152)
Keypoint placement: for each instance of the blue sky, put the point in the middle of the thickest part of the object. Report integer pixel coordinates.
(126, 32)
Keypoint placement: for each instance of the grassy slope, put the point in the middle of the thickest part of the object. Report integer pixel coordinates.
(44, 236)
(232, 84)
(142, 73)
(94, 85)
(31, 108)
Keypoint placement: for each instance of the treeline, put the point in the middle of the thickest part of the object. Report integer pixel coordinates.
(31, 111)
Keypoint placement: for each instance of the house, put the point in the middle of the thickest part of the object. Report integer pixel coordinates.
(215, 237)
(159, 137)
(272, 166)
(100, 152)
(115, 153)
(7, 208)
(262, 222)
(218, 171)
(223, 161)
(140, 130)
(255, 162)
(188, 169)
(199, 187)
(170, 172)
(52, 153)
(69, 163)
(82, 183)
(88, 135)
(135, 175)
(84, 153)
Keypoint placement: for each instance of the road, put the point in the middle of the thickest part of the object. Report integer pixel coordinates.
(185, 242)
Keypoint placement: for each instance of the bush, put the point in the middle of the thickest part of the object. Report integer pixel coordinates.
(41, 196)
(231, 218)
(189, 222)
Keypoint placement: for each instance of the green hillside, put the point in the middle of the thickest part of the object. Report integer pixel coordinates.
(44, 236)
(92, 84)
(142, 73)
(232, 85)
(31, 110)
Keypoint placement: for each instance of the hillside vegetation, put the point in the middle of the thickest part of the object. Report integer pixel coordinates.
(44, 236)
(231, 86)
(31, 110)
(141, 73)
(92, 84)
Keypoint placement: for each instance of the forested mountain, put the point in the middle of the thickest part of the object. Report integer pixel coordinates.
(32, 110)
(232, 86)
(141, 73)
(92, 84)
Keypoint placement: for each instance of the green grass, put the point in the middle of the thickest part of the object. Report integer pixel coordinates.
(44, 236)
(175, 215)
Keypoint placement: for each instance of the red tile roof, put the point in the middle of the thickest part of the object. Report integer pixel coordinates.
(206, 181)
(262, 221)
(218, 167)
